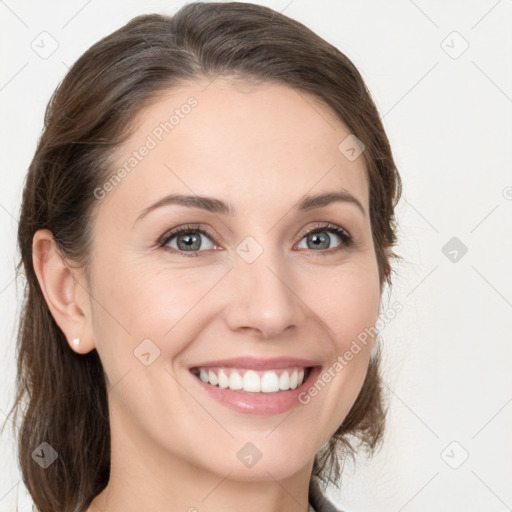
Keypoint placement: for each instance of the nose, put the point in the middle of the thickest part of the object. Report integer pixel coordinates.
(264, 301)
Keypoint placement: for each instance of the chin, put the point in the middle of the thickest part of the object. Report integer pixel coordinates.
(263, 460)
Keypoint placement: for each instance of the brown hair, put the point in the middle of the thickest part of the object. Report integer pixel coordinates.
(61, 396)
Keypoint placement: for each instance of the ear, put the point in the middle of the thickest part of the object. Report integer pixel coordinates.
(65, 291)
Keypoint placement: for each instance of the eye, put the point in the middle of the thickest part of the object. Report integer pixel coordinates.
(318, 238)
(188, 239)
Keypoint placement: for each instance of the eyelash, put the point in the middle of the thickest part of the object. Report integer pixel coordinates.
(347, 239)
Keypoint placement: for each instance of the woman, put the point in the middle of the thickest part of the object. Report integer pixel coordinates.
(206, 231)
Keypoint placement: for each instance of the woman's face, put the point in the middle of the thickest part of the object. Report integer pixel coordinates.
(242, 291)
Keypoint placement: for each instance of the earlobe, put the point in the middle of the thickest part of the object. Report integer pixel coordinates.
(63, 292)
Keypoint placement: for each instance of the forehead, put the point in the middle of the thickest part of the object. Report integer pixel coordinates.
(251, 144)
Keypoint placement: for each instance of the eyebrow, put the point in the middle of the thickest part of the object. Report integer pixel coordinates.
(217, 206)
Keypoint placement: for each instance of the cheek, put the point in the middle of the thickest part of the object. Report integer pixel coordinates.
(141, 302)
(347, 300)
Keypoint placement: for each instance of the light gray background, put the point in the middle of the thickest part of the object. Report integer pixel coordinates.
(448, 117)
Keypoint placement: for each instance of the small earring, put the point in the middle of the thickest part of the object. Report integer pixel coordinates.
(76, 342)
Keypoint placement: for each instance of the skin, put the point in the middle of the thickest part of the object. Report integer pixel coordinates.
(260, 148)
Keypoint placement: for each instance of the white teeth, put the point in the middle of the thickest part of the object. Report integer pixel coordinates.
(293, 380)
(262, 382)
(212, 378)
(235, 381)
(284, 381)
(223, 380)
(270, 382)
(252, 381)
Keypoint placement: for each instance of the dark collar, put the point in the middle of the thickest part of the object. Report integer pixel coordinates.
(317, 501)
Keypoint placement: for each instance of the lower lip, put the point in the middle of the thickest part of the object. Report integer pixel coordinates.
(263, 404)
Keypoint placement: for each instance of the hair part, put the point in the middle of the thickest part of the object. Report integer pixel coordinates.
(62, 396)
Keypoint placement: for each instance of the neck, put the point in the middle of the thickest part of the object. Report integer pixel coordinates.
(143, 476)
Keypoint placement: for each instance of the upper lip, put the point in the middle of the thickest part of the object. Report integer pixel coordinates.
(255, 363)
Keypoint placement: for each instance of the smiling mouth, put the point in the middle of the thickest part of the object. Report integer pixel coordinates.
(252, 381)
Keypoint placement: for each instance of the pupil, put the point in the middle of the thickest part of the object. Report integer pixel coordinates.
(320, 240)
(190, 241)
